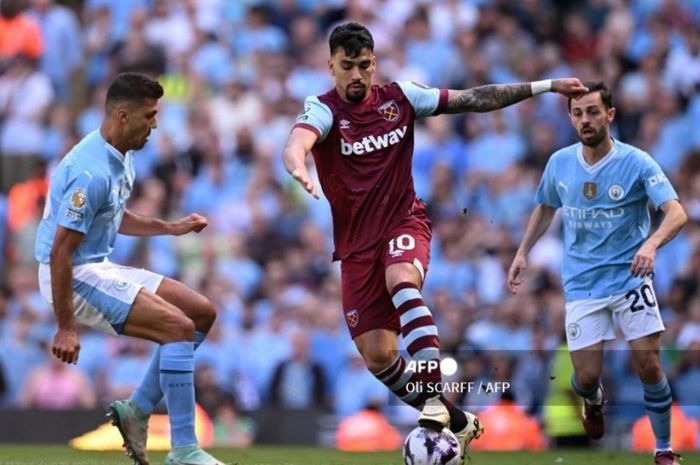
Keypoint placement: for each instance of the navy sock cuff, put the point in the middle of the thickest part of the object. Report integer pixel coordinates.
(199, 337)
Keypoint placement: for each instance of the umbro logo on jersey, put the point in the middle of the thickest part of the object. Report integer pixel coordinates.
(344, 124)
(371, 143)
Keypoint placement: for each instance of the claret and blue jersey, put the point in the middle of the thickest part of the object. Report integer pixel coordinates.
(87, 193)
(364, 158)
(604, 214)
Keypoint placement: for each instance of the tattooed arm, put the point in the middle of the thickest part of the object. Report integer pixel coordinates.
(496, 96)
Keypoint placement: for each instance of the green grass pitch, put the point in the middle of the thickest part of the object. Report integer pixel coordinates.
(59, 455)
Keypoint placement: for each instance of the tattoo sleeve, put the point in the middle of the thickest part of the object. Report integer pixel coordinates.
(486, 98)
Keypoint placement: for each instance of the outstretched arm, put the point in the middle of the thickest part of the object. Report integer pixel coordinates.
(66, 345)
(496, 96)
(539, 221)
(674, 219)
(298, 145)
(137, 225)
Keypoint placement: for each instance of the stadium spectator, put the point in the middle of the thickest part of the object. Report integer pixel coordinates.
(57, 386)
(298, 382)
(25, 205)
(19, 33)
(685, 375)
(63, 47)
(355, 387)
(127, 367)
(20, 353)
(170, 26)
(25, 96)
(531, 372)
(682, 70)
(231, 429)
(3, 329)
(3, 237)
(367, 431)
(135, 53)
(510, 428)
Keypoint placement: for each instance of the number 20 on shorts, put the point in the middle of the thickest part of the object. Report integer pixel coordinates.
(644, 293)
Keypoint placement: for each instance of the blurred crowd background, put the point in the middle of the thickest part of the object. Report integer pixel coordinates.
(235, 75)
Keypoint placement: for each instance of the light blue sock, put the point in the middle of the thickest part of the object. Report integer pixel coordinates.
(657, 401)
(177, 382)
(593, 395)
(148, 393)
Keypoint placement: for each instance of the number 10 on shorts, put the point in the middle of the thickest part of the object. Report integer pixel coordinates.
(399, 245)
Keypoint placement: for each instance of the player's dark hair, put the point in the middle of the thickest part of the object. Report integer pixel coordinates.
(132, 87)
(352, 37)
(597, 86)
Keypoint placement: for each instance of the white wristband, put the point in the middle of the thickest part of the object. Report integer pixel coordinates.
(539, 87)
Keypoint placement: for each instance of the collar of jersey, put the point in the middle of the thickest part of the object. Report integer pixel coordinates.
(600, 163)
(112, 149)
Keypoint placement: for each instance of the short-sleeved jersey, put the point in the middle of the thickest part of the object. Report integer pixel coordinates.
(364, 155)
(87, 193)
(604, 213)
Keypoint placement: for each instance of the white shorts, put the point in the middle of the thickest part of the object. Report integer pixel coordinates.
(103, 292)
(590, 321)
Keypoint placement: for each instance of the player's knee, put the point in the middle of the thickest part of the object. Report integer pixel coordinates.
(399, 273)
(179, 328)
(377, 358)
(649, 368)
(206, 314)
(185, 330)
(587, 378)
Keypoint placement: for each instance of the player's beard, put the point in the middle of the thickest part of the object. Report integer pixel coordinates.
(141, 143)
(593, 140)
(356, 94)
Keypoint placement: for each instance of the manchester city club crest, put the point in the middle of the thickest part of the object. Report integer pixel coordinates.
(590, 190)
(389, 110)
(573, 330)
(616, 192)
(352, 317)
(120, 284)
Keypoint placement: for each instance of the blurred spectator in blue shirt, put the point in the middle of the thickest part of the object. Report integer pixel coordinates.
(63, 46)
(298, 381)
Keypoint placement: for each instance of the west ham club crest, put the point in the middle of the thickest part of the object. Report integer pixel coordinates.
(353, 317)
(389, 110)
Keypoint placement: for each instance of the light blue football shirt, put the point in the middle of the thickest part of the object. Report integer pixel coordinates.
(605, 215)
(87, 193)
